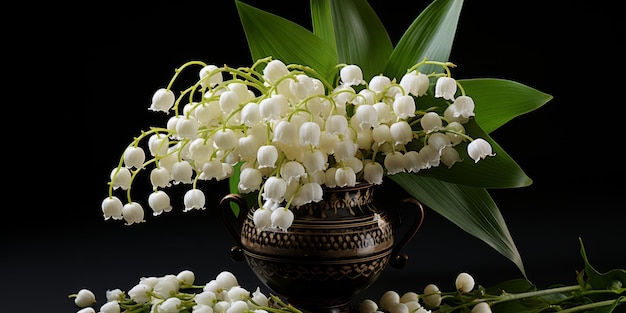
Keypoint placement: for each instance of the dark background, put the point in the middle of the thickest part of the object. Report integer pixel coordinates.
(103, 63)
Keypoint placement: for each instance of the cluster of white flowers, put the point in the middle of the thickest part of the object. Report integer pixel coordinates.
(290, 132)
(411, 302)
(177, 293)
(223, 294)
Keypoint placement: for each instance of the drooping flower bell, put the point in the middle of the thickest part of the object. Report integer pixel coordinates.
(162, 100)
(479, 149)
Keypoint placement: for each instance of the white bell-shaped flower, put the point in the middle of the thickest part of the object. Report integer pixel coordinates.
(345, 149)
(182, 172)
(110, 307)
(250, 179)
(209, 76)
(162, 100)
(309, 134)
(259, 299)
(367, 116)
(120, 178)
(463, 106)
(430, 122)
(226, 280)
(439, 141)
(133, 213)
(457, 127)
(200, 150)
(445, 87)
(274, 188)
(212, 169)
(229, 101)
(140, 293)
(282, 218)
(337, 125)
(404, 106)
(238, 293)
(262, 218)
(194, 199)
(314, 160)
(379, 83)
(160, 177)
(366, 96)
(384, 112)
(84, 298)
(430, 156)
(112, 208)
(399, 308)
(86, 310)
(171, 305)
(187, 128)
(247, 147)
(292, 171)
(373, 172)
(479, 149)
(272, 108)
(449, 156)
(351, 75)
(238, 306)
(368, 306)
(345, 176)
(329, 179)
(206, 297)
(401, 132)
(267, 156)
(250, 114)
(394, 163)
(415, 83)
(274, 71)
(286, 133)
(208, 113)
(381, 134)
(225, 139)
(389, 299)
(221, 306)
(158, 144)
(464, 282)
(134, 157)
(413, 162)
(307, 193)
(302, 86)
(159, 202)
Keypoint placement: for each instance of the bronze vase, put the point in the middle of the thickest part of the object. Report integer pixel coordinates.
(335, 248)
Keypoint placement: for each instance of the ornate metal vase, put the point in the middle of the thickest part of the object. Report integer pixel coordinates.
(335, 248)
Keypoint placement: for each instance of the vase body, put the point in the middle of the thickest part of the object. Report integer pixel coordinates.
(334, 249)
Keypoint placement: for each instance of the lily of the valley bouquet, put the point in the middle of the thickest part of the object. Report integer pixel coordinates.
(336, 106)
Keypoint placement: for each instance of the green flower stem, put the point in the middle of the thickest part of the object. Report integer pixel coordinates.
(594, 305)
(510, 297)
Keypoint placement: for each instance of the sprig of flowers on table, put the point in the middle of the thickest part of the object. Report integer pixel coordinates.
(171, 293)
(292, 132)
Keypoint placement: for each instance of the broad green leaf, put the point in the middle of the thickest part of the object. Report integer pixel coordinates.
(322, 21)
(499, 171)
(430, 35)
(360, 36)
(470, 208)
(611, 280)
(271, 35)
(498, 100)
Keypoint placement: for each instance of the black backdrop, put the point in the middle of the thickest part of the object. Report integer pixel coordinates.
(116, 56)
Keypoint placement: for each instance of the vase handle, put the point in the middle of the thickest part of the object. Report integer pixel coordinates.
(400, 260)
(234, 223)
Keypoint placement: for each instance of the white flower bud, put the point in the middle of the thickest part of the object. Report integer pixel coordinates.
(206, 297)
(226, 280)
(133, 213)
(292, 171)
(481, 307)
(110, 307)
(464, 282)
(140, 293)
(274, 71)
(432, 296)
(449, 156)
(379, 83)
(368, 306)
(389, 299)
(430, 122)
(84, 298)
(209, 76)
(170, 305)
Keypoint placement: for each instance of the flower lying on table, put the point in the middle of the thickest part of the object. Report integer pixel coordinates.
(223, 294)
(292, 132)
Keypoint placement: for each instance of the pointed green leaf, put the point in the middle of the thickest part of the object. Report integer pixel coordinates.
(498, 100)
(611, 280)
(499, 171)
(322, 20)
(271, 35)
(360, 36)
(470, 208)
(430, 35)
